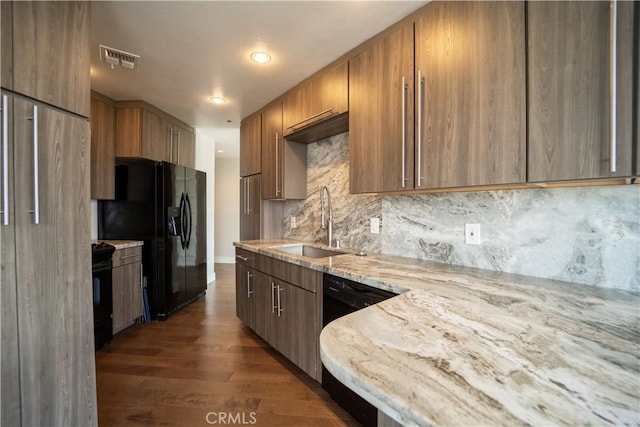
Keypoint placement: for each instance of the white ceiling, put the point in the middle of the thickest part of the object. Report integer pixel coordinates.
(191, 50)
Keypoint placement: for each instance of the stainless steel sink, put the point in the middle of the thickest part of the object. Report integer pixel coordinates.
(308, 251)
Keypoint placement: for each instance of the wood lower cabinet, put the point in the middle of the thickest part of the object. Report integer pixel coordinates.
(281, 302)
(381, 115)
(49, 54)
(250, 207)
(48, 367)
(127, 287)
(245, 288)
(569, 119)
(284, 163)
(470, 94)
(103, 128)
(251, 145)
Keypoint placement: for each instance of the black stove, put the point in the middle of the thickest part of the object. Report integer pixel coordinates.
(101, 282)
(101, 252)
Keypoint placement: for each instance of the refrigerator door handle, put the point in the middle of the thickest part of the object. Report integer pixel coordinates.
(183, 225)
(189, 221)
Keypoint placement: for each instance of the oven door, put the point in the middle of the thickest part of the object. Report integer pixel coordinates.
(102, 303)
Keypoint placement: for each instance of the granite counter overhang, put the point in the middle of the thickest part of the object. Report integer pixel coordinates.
(468, 346)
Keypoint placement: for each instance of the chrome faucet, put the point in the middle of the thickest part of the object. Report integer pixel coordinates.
(323, 221)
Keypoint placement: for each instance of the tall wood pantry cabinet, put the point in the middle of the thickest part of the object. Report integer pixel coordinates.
(47, 365)
(251, 178)
(103, 129)
(571, 72)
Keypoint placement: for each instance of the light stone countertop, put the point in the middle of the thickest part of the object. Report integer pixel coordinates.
(473, 347)
(123, 244)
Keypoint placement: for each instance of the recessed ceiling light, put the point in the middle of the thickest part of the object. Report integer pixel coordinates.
(220, 151)
(260, 57)
(218, 100)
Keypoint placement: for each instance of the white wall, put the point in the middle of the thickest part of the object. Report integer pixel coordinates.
(206, 162)
(227, 208)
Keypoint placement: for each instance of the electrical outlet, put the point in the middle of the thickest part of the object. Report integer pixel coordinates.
(294, 222)
(472, 234)
(374, 224)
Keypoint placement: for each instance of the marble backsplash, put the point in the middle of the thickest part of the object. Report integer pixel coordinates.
(588, 235)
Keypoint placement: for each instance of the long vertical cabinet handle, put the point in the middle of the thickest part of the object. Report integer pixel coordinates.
(613, 68)
(249, 291)
(277, 166)
(141, 293)
(248, 205)
(420, 88)
(36, 185)
(404, 133)
(280, 309)
(5, 160)
(273, 298)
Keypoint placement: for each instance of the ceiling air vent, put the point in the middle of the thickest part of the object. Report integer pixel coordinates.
(118, 58)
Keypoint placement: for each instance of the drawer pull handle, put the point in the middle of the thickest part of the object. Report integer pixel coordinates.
(242, 258)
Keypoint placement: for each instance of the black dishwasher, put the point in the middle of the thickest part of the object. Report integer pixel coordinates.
(341, 297)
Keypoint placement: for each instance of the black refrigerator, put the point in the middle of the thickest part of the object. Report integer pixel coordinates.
(165, 206)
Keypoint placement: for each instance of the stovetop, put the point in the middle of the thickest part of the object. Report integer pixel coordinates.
(101, 252)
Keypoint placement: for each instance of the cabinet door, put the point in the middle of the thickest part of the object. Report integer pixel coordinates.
(53, 264)
(250, 145)
(118, 283)
(51, 53)
(103, 129)
(264, 289)
(569, 59)
(10, 364)
(185, 147)
(472, 110)
(156, 131)
(323, 96)
(381, 115)
(272, 152)
(250, 207)
(297, 333)
(6, 45)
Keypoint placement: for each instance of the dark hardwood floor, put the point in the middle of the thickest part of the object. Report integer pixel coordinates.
(202, 366)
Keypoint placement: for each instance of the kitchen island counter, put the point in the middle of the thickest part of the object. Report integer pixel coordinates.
(467, 346)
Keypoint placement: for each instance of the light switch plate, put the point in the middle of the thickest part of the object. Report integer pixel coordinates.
(374, 224)
(472, 234)
(294, 222)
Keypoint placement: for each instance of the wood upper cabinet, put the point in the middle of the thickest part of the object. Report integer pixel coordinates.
(50, 52)
(381, 115)
(103, 142)
(322, 98)
(250, 207)
(251, 145)
(6, 44)
(127, 287)
(183, 151)
(284, 163)
(470, 86)
(144, 131)
(569, 59)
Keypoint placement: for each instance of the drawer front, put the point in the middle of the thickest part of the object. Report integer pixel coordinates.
(127, 256)
(246, 257)
(305, 278)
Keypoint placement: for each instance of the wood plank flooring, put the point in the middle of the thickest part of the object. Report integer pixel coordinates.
(201, 367)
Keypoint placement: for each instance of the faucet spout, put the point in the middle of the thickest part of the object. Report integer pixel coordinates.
(323, 220)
